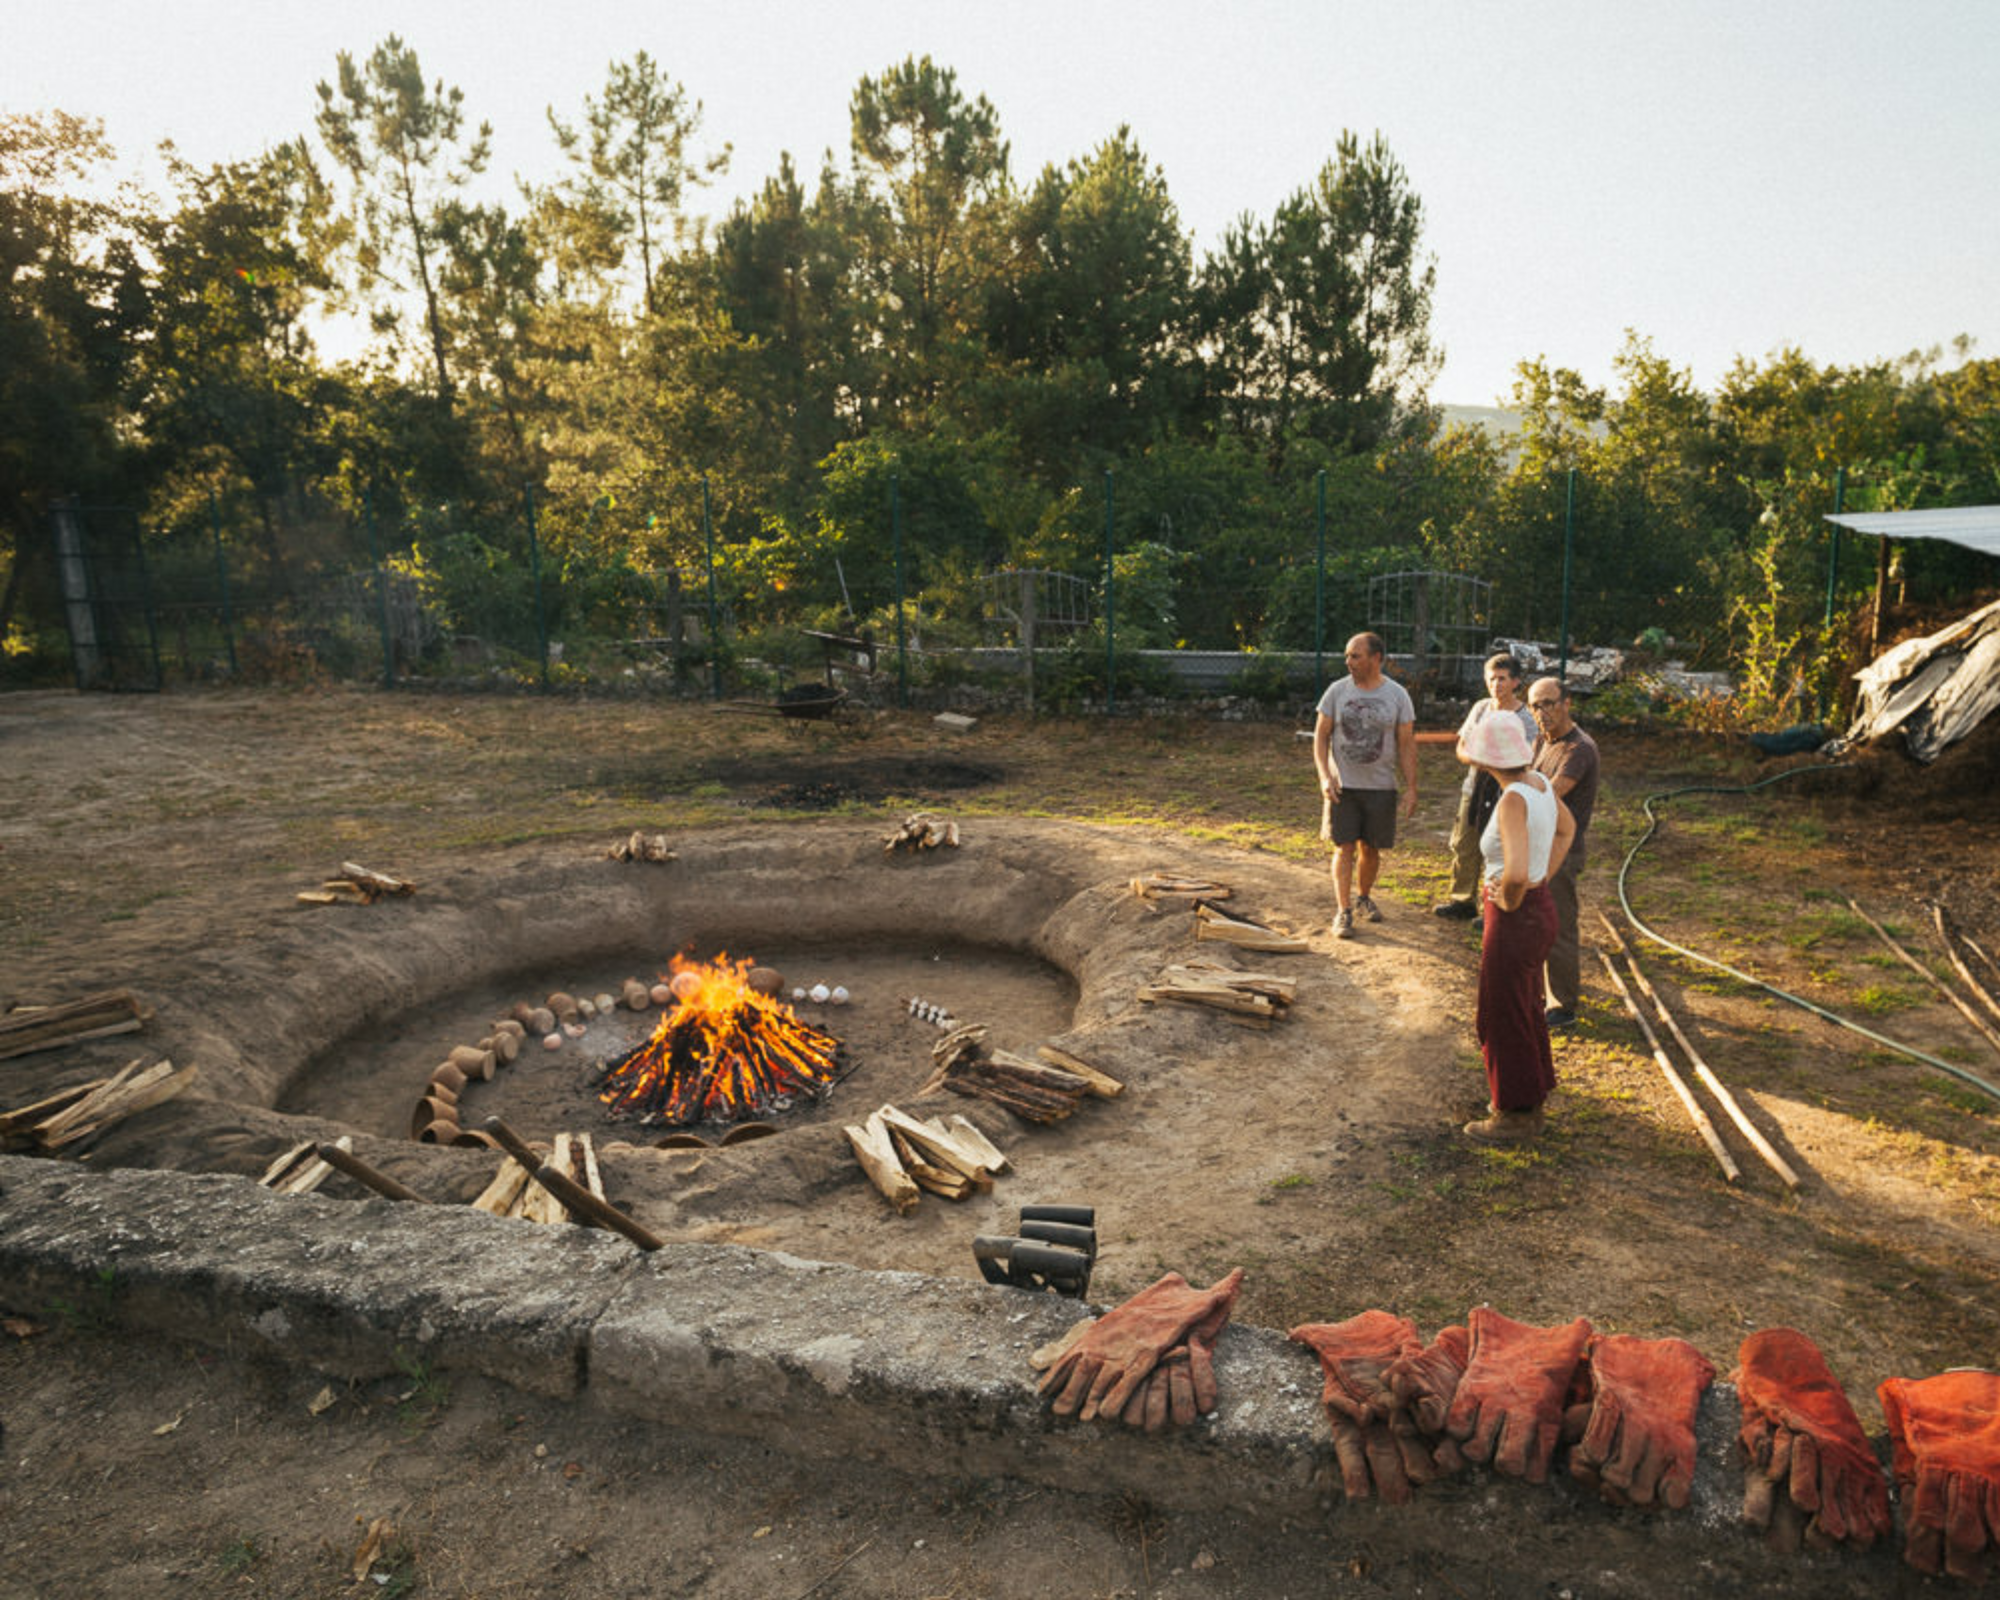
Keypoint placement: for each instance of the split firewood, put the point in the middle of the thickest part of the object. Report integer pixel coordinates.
(1029, 1089)
(96, 1016)
(1100, 1084)
(311, 1170)
(877, 1155)
(969, 1134)
(1164, 886)
(540, 1205)
(586, 1166)
(501, 1195)
(1256, 997)
(1210, 923)
(966, 1038)
(124, 1095)
(939, 1150)
(938, 1180)
(356, 883)
(342, 1158)
(921, 831)
(22, 1118)
(642, 847)
(286, 1166)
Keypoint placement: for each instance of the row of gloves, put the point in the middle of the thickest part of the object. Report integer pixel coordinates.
(1500, 1392)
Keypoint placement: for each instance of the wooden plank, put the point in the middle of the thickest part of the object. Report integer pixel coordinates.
(1100, 1084)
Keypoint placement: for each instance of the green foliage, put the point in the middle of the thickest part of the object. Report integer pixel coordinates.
(93, 1311)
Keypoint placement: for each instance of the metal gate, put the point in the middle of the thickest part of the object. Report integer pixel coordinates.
(106, 599)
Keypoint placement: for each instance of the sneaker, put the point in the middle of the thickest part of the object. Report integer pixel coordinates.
(1505, 1127)
(1366, 908)
(1455, 910)
(1343, 925)
(1559, 1018)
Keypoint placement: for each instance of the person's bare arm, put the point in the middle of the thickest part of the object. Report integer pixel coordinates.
(1512, 814)
(1406, 759)
(1329, 775)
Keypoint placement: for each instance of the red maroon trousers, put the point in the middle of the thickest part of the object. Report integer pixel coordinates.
(1511, 1021)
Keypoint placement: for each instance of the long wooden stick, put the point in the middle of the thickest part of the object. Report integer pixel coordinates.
(1758, 1142)
(367, 1176)
(1979, 990)
(1972, 944)
(1927, 975)
(1702, 1124)
(568, 1190)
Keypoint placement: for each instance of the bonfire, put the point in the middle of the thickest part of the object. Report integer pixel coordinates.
(723, 1052)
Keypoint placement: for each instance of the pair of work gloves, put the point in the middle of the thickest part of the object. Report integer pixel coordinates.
(1944, 1433)
(1148, 1363)
(1404, 1413)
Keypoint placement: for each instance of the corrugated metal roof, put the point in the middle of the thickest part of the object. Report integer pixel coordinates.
(1974, 527)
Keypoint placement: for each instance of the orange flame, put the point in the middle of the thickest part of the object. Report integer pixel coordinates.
(723, 1053)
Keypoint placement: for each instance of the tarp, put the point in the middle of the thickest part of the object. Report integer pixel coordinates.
(1974, 527)
(1936, 689)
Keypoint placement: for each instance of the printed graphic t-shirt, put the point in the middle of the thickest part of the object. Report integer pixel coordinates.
(1364, 730)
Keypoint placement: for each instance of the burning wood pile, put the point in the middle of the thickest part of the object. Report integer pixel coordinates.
(357, 884)
(66, 1122)
(1036, 1091)
(725, 1052)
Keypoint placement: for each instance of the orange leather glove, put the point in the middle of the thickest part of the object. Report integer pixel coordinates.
(1182, 1387)
(1373, 1435)
(1638, 1444)
(1946, 1434)
(1802, 1444)
(1100, 1372)
(1426, 1383)
(1509, 1405)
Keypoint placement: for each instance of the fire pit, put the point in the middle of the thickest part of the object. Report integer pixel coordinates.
(723, 1052)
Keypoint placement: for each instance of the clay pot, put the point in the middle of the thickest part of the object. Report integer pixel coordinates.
(505, 1046)
(541, 1021)
(476, 1139)
(512, 1027)
(439, 1132)
(473, 1063)
(635, 996)
(449, 1074)
(563, 1005)
(765, 980)
(427, 1111)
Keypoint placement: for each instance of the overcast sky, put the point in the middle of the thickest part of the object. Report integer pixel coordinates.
(1727, 177)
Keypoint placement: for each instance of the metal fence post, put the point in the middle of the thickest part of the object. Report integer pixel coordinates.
(902, 635)
(1569, 558)
(1833, 565)
(1110, 611)
(222, 583)
(535, 567)
(381, 593)
(714, 622)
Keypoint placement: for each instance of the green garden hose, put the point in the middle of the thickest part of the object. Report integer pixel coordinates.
(1625, 902)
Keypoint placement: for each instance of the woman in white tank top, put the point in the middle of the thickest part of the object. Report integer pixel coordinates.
(1526, 840)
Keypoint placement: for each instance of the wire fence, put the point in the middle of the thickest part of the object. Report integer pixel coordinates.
(448, 595)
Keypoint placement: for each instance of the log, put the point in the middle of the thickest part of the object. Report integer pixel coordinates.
(544, 1205)
(1749, 1129)
(1161, 886)
(113, 1103)
(969, 1134)
(581, 1202)
(1038, 1074)
(878, 1162)
(499, 1196)
(586, 1163)
(313, 1172)
(338, 1155)
(96, 1016)
(1100, 1084)
(1703, 1125)
(378, 882)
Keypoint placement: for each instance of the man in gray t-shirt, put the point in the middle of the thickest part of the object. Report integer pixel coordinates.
(1364, 739)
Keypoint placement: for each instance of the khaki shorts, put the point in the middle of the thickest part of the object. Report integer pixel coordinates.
(1368, 815)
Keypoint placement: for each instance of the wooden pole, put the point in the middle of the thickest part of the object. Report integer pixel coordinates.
(1758, 1142)
(1979, 989)
(1702, 1124)
(1927, 975)
(367, 1176)
(568, 1190)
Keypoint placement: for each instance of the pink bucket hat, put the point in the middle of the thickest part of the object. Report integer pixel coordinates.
(1496, 741)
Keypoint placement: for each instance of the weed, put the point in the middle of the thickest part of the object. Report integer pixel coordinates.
(239, 1556)
(1879, 999)
(417, 1407)
(1292, 1180)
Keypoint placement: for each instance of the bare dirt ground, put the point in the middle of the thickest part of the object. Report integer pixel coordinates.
(157, 843)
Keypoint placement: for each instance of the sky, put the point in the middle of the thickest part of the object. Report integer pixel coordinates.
(1726, 178)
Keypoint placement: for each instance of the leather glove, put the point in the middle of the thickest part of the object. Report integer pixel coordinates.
(1426, 1383)
(1638, 1443)
(1802, 1444)
(1100, 1372)
(1509, 1405)
(1182, 1387)
(1373, 1435)
(1946, 1434)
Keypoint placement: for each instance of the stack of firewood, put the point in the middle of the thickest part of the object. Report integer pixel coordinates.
(301, 1169)
(1167, 886)
(356, 884)
(1254, 999)
(65, 1122)
(921, 831)
(1037, 1091)
(1210, 922)
(28, 1028)
(903, 1157)
(512, 1194)
(642, 847)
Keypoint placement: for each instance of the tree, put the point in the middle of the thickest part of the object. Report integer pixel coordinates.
(1337, 297)
(399, 143)
(633, 161)
(943, 164)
